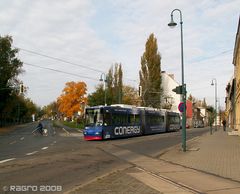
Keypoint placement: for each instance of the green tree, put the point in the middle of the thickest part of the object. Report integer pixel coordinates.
(120, 84)
(10, 68)
(51, 110)
(114, 88)
(150, 74)
(130, 95)
(211, 115)
(97, 97)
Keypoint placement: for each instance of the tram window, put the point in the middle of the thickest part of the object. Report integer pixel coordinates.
(137, 119)
(131, 119)
(94, 117)
(120, 119)
(107, 119)
(155, 119)
(174, 119)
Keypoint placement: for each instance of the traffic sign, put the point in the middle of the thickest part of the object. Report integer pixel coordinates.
(181, 107)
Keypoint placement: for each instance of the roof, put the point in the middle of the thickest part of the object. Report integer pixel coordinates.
(237, 40)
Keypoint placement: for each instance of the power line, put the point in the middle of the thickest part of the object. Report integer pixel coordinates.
(58, 59)
(59, 71)
(210, 57)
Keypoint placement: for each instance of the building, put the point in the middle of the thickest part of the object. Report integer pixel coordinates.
(170, 99)
(230, 101)
(236, 63)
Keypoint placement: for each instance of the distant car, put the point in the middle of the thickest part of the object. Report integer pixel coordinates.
(198, 124)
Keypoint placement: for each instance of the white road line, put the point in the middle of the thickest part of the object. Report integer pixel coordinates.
(44, 148)
(66, 131)
(13, 142)
(53, 143)
(7, 160)
(22, 138)
(31, 153)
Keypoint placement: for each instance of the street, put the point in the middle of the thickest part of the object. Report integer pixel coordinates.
(64, 160)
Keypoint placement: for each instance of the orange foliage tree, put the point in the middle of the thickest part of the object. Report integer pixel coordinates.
(73, 98)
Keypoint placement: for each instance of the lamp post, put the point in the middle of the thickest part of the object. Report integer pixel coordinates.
(215, 80)
(103, 78)
(173, 24)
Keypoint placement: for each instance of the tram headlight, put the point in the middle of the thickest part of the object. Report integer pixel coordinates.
(97, 133)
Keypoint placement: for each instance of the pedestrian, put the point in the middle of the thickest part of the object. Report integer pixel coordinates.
(224, 124)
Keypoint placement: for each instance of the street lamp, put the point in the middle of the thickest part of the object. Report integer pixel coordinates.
(215, 80)
(172, 24)
(103, 78)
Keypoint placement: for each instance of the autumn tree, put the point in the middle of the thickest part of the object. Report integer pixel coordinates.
(72, 98)
(150, 74)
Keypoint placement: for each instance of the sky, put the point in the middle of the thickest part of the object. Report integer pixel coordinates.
(83, 38)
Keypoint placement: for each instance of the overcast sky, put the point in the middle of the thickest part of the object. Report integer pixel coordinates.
(96, 34)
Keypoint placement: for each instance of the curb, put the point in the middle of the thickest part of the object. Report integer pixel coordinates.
(180, 144)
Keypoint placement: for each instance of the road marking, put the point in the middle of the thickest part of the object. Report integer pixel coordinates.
(7, 160)
(44, 148)
(66, 131)
(31, 153)
(22, 138)
(13, 142)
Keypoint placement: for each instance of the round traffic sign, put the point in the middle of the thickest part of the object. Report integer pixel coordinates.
(181, 107)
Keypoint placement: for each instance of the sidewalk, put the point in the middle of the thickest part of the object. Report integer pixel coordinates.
(218, 154)
(210, 165)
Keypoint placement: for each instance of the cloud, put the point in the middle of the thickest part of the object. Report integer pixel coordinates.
(99, 33)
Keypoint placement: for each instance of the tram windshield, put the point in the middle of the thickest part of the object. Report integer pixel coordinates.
(94, 117)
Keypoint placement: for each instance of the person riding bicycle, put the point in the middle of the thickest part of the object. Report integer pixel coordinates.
(40, 128)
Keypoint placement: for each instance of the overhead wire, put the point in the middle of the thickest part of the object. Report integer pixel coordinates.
(90, 68)
(60, 60)
(213, 56)
(59, 71)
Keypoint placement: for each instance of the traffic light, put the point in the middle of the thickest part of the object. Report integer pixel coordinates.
(21, 88)
(178, 90)
(140, 91)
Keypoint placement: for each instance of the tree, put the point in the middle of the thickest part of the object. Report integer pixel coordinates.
(204, 103)
(97, 97)
(130, 96)
(115, 84)
(150, 74)
(211, 115)
(120, 84)
(51, 110)
(10, 68)
(114, 88)
(72, 98)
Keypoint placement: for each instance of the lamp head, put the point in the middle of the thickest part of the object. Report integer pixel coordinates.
(172, 23)
(101, 79)
(212, 84)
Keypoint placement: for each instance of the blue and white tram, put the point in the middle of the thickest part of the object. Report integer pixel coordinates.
(116, 121)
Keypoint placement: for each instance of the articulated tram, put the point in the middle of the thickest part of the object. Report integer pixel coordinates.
(116, 121)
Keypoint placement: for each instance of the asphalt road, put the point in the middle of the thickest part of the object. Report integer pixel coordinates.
(64, 160)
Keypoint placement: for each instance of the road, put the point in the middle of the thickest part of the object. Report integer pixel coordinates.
(63, 159)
